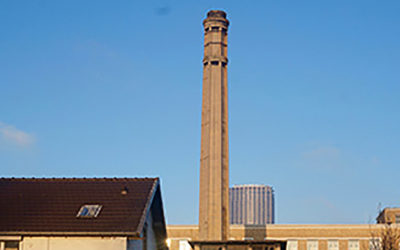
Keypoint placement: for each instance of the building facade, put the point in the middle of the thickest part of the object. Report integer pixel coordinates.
(251, 204)
(297, 237)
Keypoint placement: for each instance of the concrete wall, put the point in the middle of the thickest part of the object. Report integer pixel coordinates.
(68, 243)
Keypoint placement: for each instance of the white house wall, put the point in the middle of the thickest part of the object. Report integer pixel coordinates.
(68, 243)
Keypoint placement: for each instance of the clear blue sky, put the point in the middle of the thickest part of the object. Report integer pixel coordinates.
(113, 88)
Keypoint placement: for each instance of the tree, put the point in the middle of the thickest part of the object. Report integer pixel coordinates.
(387, 237)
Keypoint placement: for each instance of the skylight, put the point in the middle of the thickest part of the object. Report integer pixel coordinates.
(89, 211)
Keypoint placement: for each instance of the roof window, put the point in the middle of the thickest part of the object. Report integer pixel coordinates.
(89, 211)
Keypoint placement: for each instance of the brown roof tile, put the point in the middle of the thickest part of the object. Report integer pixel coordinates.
(51, 204)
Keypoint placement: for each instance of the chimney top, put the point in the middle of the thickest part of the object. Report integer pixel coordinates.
(216, 13)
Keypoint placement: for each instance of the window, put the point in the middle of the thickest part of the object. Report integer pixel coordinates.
(248, 238)
(291, 245)
(397, 219)
(89, 211)
(11, 245)
(333, 245)
(184, 245)
(374, 244)
(312, 245)
(354, 245)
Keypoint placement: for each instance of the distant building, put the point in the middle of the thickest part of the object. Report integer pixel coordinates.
(251, 204)
(389, 215)
(81, 213)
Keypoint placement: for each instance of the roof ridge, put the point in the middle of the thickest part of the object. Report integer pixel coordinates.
(79, 178)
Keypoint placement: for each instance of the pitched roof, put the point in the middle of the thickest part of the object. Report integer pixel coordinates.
(51, 205)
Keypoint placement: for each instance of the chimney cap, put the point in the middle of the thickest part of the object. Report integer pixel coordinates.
(216, 13)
